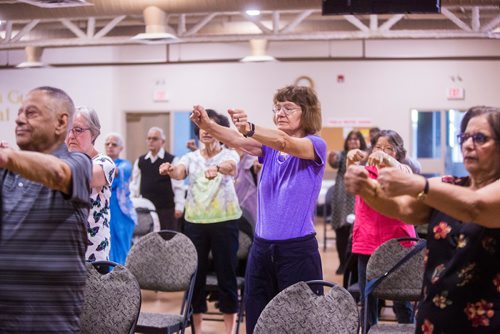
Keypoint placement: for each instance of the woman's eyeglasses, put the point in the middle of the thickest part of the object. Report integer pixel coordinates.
(477, 138)
(78, 131)
(288, 110)
(387, 149)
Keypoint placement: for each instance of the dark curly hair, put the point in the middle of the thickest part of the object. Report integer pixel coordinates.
(215, 116)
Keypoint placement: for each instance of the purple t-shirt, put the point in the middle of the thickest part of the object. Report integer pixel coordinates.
(288, 191)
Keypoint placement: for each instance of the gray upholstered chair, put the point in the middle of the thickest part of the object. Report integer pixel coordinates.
(245, 240)
(401, 284)
(147, 218)
(164, 261)
(112, 299)
(299, 310)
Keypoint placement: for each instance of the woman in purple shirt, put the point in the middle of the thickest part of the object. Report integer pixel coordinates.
(285, 250)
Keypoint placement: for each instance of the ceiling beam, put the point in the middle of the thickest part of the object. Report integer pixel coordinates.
(108, 27)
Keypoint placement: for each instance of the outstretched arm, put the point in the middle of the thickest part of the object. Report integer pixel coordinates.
(405, 208)
(38, 167)
(480, 206)
(226, 135)
(176, 172)
(299, 147)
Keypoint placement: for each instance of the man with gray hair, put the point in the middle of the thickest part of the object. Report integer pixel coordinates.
(166, 194)
(45, 202)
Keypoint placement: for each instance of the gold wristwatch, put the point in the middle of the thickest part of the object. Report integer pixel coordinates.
(423, 194)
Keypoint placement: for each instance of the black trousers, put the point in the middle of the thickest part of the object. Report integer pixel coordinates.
(341, 241)
(167, 219)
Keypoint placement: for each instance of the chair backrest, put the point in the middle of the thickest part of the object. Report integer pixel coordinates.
(245, 238)
(163, 261)
(404, 283)
(112, 299)
(147, 218)
(297, 309)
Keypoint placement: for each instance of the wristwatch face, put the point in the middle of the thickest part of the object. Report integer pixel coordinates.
(421, 196)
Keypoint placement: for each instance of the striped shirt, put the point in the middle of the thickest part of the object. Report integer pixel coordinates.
(42, 249)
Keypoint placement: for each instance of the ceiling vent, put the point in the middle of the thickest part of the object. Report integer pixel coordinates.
(57, 3)
(258, 48)
(33, 57)
(157, 30)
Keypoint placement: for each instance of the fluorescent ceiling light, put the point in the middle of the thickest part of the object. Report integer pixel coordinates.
(57, 3)
(155, 37)
(31, 64)
(253, 12)
(257, 59)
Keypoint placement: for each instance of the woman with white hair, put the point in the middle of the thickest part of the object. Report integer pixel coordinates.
(81, 138)
(123, 216)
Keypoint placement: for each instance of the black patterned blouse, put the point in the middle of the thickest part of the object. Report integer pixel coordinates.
(461, 291)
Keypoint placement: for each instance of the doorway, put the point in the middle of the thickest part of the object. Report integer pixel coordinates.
(138, 124)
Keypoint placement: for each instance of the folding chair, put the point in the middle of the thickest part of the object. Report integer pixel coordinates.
(112, 299)
(395, 272)
(164, 261)
(300, 310)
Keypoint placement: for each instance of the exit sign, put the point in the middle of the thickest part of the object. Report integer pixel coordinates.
(455, 93)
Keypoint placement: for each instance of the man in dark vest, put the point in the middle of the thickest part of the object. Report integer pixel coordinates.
(167, 195)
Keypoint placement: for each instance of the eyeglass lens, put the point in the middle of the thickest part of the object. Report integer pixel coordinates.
(477, 138)
(78, 131)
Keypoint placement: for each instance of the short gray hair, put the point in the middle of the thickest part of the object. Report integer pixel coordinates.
(118, 136)
(160, 130)
(60, 101)
(92, 120)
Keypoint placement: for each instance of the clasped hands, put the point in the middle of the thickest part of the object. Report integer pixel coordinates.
(239, 118)
(379, 159)
(390, 181)
(167, 168)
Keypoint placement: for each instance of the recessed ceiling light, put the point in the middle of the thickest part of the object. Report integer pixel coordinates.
(253, 12)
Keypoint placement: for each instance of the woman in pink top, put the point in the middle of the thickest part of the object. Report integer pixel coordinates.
(371, 228)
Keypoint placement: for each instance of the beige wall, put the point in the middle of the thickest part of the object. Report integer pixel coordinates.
(382, 90)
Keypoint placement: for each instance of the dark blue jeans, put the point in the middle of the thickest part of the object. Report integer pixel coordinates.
(274, 265)
(222, 239)
(403, 310)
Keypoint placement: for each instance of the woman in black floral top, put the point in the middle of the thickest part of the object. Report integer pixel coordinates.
(461, 291)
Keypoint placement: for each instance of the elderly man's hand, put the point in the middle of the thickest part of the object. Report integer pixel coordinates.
(4, 155)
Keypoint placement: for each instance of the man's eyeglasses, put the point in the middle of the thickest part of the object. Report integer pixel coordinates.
(78, 131)
(477, 138)
(111, 144)
(152, 138)
(288, 110)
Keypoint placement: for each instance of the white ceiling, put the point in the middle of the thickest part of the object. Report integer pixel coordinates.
(115, 22)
